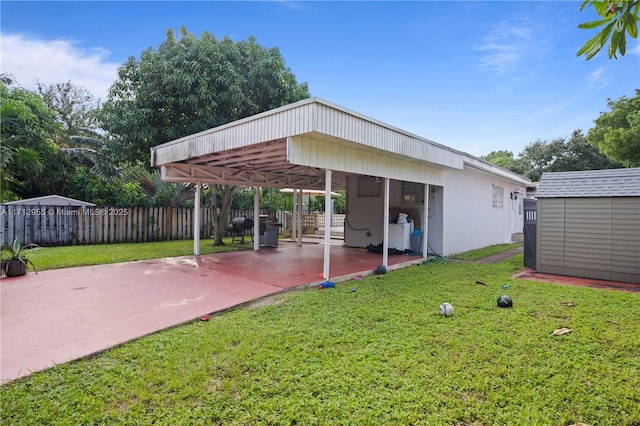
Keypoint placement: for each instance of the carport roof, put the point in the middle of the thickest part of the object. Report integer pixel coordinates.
(291, 146)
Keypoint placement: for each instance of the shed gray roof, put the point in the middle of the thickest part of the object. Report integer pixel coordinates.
(590, 183)
(51, 200)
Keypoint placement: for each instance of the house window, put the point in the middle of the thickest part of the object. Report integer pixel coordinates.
(498, 197)
(412, 193)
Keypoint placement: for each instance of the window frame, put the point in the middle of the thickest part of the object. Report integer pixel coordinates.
(412, 193)
(497, 199)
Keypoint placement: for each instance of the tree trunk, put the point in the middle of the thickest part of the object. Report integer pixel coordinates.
(226, 192)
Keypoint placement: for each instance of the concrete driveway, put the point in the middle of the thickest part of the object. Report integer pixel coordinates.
(59, 315)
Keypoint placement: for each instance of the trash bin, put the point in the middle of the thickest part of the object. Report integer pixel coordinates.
(416, 241)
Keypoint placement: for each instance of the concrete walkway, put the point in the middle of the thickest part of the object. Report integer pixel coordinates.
(59, 315)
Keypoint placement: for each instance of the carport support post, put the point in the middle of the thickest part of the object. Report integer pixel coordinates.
(196, 220)
(256, 220)
(425, 223)
(294, 215)
(385, 232)
(327, 224)
(299, 218)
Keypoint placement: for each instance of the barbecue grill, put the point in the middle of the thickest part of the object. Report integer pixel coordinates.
(239, 227)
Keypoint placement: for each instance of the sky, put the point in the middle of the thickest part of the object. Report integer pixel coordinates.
(477, 76)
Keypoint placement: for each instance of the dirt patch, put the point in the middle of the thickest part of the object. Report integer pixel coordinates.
(496, 258)
(267, 301)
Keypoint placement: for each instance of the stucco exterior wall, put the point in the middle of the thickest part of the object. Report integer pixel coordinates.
(470, 220)
(367, 212)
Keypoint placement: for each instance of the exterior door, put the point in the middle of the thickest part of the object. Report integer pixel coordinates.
(517, 222)
(530, 226)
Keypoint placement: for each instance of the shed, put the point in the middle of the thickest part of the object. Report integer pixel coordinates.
(588, 224)
(50, 200)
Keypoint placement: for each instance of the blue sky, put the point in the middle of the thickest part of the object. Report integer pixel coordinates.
(477, 76)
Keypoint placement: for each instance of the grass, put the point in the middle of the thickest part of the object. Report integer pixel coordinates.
(84, 255)
(483, 252)
(379, 355)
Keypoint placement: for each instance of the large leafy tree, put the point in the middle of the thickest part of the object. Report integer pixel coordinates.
(74, 104)
(31, 163)
(505, 159)
(190, 84)
(617, 19)
(558, 155)
(563, 155)
(617, 132)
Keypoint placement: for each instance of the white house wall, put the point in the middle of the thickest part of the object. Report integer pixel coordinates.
(470, 220)
(363, 214)
(367, 212)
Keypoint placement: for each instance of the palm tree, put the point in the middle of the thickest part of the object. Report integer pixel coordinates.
(157, 191)
(91, 149)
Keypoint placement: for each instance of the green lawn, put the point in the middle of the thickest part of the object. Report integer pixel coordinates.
(379, 355)
(69, 256)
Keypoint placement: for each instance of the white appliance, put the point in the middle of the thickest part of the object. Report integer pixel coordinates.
(400, 235)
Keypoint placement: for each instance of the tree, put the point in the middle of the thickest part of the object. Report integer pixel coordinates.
(506, 160)
(74, 104)
(85, 185)
(191, 84)
(82, 141)
(579, 154)
(619, 17)
(617, 132)
(32, 165)
(158, 192)
(562, 155)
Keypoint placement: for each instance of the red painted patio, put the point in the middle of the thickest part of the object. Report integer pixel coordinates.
(60, 315)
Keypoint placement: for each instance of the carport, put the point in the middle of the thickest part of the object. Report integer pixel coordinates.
(311, 144)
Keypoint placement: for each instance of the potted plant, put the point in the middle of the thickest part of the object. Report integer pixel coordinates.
(14, 262)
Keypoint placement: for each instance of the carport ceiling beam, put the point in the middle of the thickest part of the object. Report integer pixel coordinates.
(215, 175)
(245, 158)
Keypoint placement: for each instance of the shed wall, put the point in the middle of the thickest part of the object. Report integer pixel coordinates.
(590, 237)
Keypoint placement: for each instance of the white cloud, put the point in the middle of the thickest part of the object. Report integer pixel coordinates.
(635, 49)
(505, 45)
(55, 61)
(598, 80)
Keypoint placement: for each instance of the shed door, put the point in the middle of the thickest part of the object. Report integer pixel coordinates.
(530, 225)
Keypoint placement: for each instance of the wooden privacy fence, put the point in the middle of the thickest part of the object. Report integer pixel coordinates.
(65, 225)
